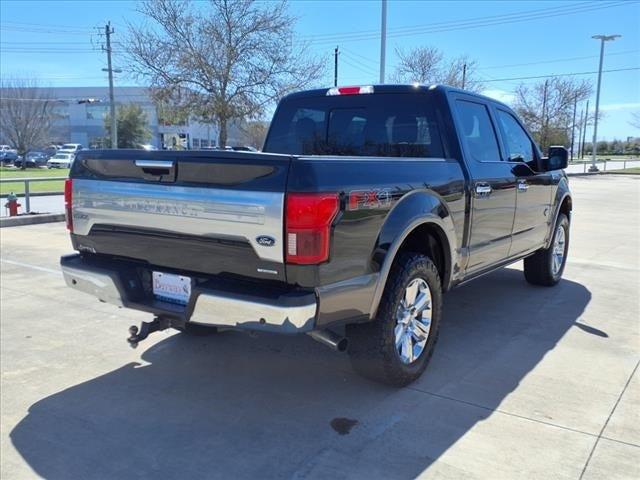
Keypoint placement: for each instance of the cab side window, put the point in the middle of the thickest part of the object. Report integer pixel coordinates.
(478, 132)
(518, 143)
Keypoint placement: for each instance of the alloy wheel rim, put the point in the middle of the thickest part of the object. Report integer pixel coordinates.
(557, 255)
(413, 321)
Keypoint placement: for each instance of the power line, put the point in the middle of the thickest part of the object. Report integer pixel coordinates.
(71, 27)
(558, 75)
(362, 57)
(448, 22)
(557, 60)
(41, 43)
(358, 64)
(468, 24)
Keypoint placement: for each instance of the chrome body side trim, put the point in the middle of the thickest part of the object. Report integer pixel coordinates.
(186, 210)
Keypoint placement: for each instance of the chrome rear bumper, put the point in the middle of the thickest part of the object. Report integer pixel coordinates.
(293, 312)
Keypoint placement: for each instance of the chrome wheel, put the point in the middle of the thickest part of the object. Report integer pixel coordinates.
(557, 255)
(413, 321)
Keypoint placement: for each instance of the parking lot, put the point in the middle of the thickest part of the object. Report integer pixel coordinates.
(526, 382)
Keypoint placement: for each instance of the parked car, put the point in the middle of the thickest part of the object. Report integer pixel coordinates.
(8, 157)
(370, 203)
(72, 148)
(51, 150)
(243, 148)
(7, 148)
(61, 160)
(33, 159)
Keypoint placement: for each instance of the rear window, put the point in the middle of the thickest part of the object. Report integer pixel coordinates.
(384, 125)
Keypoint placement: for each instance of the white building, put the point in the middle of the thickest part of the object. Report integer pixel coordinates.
(81, 111)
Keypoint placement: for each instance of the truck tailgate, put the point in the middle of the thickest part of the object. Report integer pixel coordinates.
(206, 212)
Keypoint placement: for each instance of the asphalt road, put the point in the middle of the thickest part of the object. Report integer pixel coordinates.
(526, 382)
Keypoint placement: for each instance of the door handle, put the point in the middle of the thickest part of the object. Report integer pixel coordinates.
(167, 164)
(483, 189)
(523, 186)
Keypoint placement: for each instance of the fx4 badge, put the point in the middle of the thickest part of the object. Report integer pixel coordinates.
(369, 199)
(266, 241)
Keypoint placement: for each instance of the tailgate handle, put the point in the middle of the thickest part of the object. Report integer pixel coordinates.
(155, 164)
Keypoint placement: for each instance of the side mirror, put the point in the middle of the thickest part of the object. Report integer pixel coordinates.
(557, 159)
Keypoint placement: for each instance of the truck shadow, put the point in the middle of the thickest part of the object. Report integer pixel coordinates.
(232, 406)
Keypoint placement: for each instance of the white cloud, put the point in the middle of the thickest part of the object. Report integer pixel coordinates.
(620, 106)
(500, 95)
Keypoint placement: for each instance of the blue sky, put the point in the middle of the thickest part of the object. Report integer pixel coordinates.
(57, 42)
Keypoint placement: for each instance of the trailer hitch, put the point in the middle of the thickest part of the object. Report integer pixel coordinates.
(146, 328)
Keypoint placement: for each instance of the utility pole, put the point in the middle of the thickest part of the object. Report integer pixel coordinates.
(108, 30)
(335, 67)
(464, 74)
(573, 125)
(602, 38)
(383, 40)
(543, 133)
(580, 133)
(584, 129)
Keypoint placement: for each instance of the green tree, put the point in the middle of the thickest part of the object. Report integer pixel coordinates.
(603, 147)
(132, 125)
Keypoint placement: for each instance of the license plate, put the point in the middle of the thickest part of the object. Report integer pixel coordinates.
(171, 288)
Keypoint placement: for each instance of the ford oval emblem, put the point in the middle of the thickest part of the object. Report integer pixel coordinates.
(266, 241)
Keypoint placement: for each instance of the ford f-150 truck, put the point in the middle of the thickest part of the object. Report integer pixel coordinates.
(365, 206)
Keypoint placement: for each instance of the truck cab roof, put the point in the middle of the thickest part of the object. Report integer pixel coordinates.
(416, 88)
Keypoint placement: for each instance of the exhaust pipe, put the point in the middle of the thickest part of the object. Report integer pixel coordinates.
(330, 339)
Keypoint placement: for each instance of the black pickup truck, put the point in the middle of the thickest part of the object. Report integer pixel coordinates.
(366, 204)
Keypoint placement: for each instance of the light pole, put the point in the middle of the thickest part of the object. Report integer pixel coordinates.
(383, 40)
(594, 146)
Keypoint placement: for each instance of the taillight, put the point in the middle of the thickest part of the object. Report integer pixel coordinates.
(68, 202)
(350, 90)
(308, 226)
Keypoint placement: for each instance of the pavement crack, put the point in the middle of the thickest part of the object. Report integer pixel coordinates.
(595, 444)
(522, 417)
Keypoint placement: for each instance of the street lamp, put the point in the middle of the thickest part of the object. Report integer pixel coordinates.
(602, 38)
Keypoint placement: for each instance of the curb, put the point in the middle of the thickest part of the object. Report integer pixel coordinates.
(31, 219)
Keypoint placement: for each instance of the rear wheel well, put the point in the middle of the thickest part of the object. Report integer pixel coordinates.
(429, 239)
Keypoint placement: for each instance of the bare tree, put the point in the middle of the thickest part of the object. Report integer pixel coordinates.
(224, 60)
(422, 65)
(26, 114)
(547, 108)
(635, 120)
(254, 133)
(429, 65)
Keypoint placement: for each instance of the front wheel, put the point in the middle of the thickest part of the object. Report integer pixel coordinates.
(545, 267)
(395, 348)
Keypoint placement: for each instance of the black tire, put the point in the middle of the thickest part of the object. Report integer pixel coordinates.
(196, 330)
(372, 347)
(538, 268)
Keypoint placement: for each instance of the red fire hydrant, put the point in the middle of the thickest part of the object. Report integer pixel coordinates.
(12, 204)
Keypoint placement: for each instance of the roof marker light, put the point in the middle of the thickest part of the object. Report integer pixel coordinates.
(350, 90)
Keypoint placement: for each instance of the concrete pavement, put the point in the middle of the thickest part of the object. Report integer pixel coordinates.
(526, 382)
